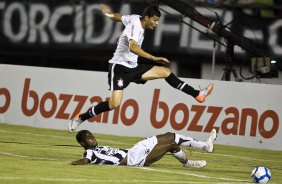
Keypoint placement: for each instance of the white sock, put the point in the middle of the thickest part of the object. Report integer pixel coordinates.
(181, 156)
(189, 162)
(182, 140)
(195, 163)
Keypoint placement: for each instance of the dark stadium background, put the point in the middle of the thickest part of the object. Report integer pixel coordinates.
(89, 56)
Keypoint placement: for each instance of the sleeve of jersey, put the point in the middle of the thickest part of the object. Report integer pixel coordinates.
(88, 154)
(125, 19)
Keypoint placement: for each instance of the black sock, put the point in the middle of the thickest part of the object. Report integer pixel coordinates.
(178, 84)
(95, 110)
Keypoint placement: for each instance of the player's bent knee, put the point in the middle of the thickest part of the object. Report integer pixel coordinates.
(166, 71)
(167, 138)
(113, 105)
(171, 136)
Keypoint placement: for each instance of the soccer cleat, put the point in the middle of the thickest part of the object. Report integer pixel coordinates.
(74, 123)
(204, 93)
(210, 140)
(195, 164)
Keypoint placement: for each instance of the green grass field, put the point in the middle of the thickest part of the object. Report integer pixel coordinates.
(34, 155)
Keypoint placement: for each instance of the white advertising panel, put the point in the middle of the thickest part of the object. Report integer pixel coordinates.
(244, 114)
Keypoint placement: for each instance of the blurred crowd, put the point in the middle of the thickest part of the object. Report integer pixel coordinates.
(242, 2)
(267, 8)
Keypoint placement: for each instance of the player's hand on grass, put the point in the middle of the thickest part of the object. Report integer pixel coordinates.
(73, 162)
(83, 161)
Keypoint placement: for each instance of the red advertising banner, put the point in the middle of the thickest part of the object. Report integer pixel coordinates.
(244, 114)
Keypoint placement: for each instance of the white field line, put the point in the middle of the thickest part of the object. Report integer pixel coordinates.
(234, 156)
(87, 180)
(108, 181)
(121, 143)
(24, 156)
(120, 181)
(190, 174)
(57, 136)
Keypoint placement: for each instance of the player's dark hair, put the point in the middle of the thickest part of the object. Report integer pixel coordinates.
(151, 11)
(81, 135)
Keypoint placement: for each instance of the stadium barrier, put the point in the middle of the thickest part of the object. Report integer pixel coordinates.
(244, 114)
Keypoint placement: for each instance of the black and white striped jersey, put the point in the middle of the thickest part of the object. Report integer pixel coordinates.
(105, 155)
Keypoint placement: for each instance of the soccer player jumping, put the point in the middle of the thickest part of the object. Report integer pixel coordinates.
(124, 67)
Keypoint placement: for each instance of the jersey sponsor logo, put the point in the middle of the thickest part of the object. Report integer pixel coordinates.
(132, 30)
(147, 151)
(130, 63)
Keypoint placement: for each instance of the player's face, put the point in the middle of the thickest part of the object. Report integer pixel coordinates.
(152, 22)
(90, 141)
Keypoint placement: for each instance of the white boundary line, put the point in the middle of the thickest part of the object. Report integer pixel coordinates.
(24, 156)
(91, 180)
(191, 174)
(57, 136)
(247, 158)
(121, 143)
(108, 181)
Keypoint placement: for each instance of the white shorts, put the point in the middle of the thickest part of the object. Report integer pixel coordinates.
(137, 155)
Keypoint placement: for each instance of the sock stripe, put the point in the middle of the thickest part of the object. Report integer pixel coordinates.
(183, 85)
(181, 141)
(93, 112)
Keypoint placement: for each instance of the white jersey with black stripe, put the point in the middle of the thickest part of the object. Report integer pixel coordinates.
(105, 155)
(133, 31)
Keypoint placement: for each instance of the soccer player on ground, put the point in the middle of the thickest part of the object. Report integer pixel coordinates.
(145, 152)
(124, 67)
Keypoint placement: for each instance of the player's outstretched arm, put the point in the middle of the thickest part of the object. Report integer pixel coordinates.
(83, 161)
(133, 46)
(108, 13)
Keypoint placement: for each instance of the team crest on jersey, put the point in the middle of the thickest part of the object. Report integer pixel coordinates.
(120, 82)
(147, 151)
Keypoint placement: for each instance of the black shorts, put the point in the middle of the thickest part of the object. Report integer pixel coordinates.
(120, 76)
